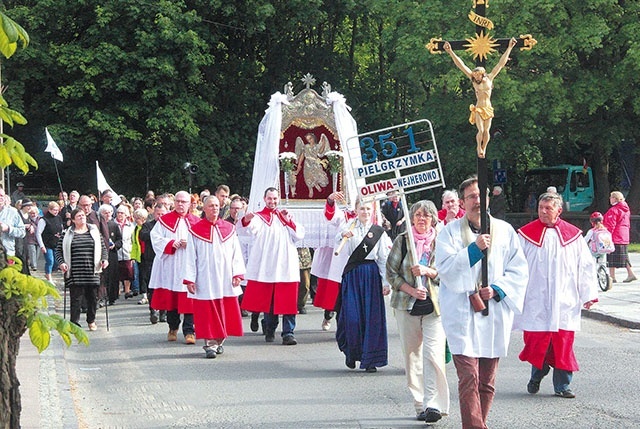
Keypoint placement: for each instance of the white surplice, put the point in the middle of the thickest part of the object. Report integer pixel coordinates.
(470, 333)
(213, 260)
(561, 280)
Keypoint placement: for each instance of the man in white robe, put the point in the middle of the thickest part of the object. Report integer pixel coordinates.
(273, 273)
(169, 240)
(328, 267)
(213, 273)
(477, 341)
(562, 281)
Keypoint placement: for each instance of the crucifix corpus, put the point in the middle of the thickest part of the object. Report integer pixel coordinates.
(481, 46)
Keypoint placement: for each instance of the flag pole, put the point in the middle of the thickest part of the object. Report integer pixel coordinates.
(58, 174)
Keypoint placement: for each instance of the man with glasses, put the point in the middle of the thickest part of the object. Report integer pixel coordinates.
(169, 239)
(476, 340)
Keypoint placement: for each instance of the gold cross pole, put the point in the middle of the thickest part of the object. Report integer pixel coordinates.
(481, 46)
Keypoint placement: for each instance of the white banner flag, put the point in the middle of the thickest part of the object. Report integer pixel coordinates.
(52, 148)
(103, 186)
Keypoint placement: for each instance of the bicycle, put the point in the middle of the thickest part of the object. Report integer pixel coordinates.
(604, 281)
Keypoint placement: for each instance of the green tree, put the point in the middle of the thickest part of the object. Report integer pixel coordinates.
(22, 298)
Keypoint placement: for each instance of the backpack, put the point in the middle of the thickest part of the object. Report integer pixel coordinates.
(601, 242)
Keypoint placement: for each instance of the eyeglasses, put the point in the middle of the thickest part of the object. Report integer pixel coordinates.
(472, 197)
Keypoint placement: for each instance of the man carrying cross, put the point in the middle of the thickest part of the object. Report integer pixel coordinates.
(477, 342)
(482, 112)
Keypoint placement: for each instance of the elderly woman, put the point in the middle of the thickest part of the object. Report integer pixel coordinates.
(618, 221)
(49, 230)
(82, 255)
(362, 323)
(421, 334)
(137, 248)
(110, 276)
(126, 272)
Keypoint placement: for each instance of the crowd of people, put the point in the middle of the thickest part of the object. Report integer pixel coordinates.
(202, 262)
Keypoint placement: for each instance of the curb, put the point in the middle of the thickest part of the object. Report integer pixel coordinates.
(597, 315)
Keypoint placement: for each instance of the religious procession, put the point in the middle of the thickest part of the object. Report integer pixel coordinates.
(359, 227)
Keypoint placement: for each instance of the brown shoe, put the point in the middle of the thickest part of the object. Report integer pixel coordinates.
(172, 335)
(189, 339)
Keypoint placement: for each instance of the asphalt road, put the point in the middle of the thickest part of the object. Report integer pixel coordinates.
(130, 377)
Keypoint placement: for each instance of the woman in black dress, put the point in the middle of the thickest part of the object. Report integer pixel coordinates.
(82, 255)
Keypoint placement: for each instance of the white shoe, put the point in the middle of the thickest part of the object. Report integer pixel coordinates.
(326, 324)
(93, 326)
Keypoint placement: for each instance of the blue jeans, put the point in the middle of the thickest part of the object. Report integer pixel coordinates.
(135, 283)
(288, 324)
(49, 261)
(561, 378)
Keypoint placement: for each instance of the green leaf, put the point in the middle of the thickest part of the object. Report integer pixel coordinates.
(9, 28)
(32, 162)
(39, 332)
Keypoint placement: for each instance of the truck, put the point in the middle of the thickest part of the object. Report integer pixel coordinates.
(573, 182)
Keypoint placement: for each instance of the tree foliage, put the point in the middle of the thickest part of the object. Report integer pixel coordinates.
(12, 36)
(144, 86)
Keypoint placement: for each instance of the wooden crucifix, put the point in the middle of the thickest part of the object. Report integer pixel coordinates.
(482, 113)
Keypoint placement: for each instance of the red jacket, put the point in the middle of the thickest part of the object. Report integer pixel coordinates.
(618, 221)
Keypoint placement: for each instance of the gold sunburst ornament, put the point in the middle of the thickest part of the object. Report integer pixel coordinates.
(481, 46)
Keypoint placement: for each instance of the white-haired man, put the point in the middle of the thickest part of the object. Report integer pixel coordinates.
(169, 239)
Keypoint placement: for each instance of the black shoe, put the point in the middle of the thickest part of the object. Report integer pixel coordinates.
(153, 317)
(289, 340)
(533, 387)
(371, 369)
(210, 353)
(421, 416)
(128, 295)
(254, 322)
(432, 415)
(302, 310)
(350, 363)
(566, 394)
(220, 350)
(83, 309)
(163, 316)
(270, 338)
(244, 313)
(135, 293)
(112, 303)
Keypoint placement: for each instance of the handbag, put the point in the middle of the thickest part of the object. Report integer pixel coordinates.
(125, 269)
(422, 307)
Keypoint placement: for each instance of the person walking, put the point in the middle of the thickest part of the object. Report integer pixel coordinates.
(478, 341)
(419, 326)
(273, 272)
(110, 274)
(562, 280)
(213, 273)
(328, 267)
(362, 324)
(618, 221)
(147, 258)
(49, 230)
(394, 221)
(82, 255)
(169, 239)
